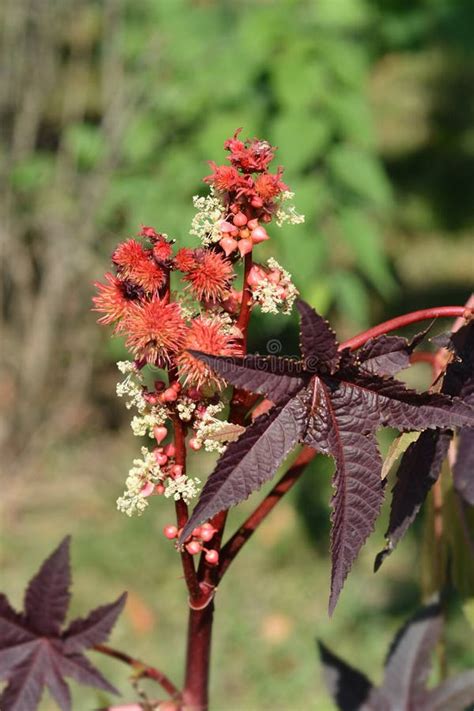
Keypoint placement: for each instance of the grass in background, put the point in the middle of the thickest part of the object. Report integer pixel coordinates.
(269, 608)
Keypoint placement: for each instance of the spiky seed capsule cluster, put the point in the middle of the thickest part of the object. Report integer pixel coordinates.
(160, 326)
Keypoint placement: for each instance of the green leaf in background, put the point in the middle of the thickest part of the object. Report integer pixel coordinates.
(350, 295)
(33, 172)
(86, 144)
(468, 609)
(351, 116)
(458, 523)
(299, 79)
(140, 138)
(399, 445)
(302, 139)
(360, 173)
(361, 235)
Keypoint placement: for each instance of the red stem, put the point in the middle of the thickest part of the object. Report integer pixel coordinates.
(198, 656)
(406, 320)
(246, 305)
(195, 694)
(287, 481)
(182, 512)
(144, 670)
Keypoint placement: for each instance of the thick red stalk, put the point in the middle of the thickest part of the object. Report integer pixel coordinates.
(182, 512)
(143, 670)
(201, 611)
(287, 481)
(198, 657)
(406, 320)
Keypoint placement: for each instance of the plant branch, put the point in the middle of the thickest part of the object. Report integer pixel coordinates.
(143, 670)
(406, 320)
(287, 481)
(246, 305)
(182, 512)
(239, 406)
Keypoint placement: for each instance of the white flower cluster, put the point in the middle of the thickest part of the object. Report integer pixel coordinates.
(276, 297)
(144, 471)
(182, 487)
(206, 222)
(132, 386)
(286, 214)
(209, 427)
(185, 407)
(144, 424)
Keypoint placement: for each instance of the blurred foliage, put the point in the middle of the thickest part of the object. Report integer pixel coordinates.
(109, 112)
(113, 126)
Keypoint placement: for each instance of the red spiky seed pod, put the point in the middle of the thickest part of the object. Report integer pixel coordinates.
(111, 300)
(209, 335)
(209, 276)
(184, 260)
(155, 330)
(136, 264)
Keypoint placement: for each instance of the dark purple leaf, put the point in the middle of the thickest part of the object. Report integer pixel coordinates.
(34, 654)
(338, 404)
(276, 378)
(340, 426)
(356, 502)
(25, 687)
(406, 672)
(57, 687)
(47, 595)
(395, 405)
(421, 464)
(463, 471)
(319, 347)
(348, 687)
(419, 469)
(78, 667)
(409, 659)
(95, 628)
(455, 694)
(250, 461)
(386, 355)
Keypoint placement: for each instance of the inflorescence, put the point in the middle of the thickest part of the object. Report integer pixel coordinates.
(163, 382)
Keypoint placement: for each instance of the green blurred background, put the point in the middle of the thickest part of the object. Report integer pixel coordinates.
(109, 111)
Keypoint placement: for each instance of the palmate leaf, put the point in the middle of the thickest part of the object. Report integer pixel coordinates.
(333, 401)
(419, 469)
(406, 671)
(348, 687)
(387, 355)
(463, 470)
(421, 464)
(251, 460)
(35, 654)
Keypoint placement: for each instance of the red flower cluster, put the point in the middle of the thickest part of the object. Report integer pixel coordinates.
(250, 192)
(137, 298)
(208, 274)
(209, 335)
(249, 156)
